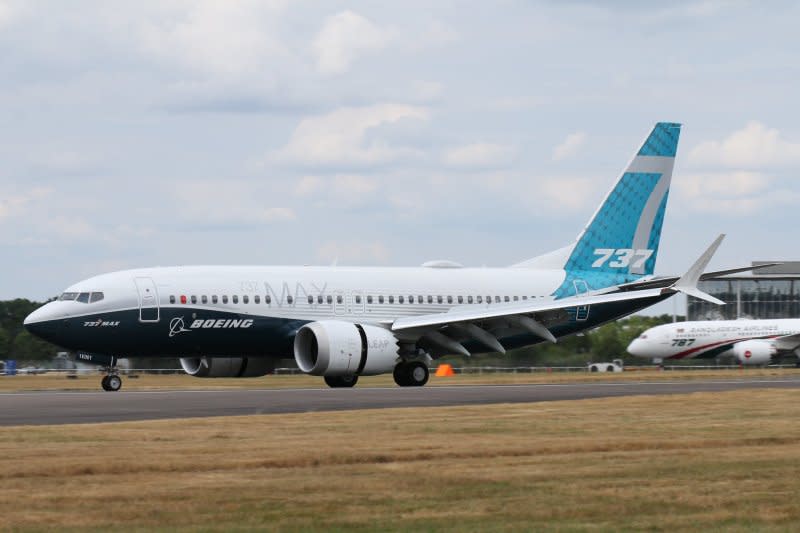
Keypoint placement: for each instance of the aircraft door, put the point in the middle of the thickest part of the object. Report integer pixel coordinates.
(148, 300)
(581, 312)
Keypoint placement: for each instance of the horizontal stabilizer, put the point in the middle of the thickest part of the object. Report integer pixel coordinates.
(687, 283)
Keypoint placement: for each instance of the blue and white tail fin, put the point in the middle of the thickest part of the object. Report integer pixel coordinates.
(620, 242)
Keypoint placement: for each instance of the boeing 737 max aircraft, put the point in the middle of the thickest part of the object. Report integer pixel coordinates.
(750, 342)
(343, 322)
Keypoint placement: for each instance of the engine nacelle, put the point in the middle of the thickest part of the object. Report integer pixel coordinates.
(754, 352)
(336, 348)
(227, 367)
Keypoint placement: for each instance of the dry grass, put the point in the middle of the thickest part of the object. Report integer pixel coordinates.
(724, 461)
(179, 381)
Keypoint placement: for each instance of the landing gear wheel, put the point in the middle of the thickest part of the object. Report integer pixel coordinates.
(411, 374)
(114, 382)
(418, 374)
(104, 383)
(400, 375)
(339, 382)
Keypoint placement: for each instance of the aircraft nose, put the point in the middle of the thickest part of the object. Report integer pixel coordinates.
(636, 348)
(41, 322)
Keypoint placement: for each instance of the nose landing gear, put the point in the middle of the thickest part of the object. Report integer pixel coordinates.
(111, 382)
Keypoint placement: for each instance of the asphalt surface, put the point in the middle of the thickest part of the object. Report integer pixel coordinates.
(38, 408)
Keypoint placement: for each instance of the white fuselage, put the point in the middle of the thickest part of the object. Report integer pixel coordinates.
(686, 340)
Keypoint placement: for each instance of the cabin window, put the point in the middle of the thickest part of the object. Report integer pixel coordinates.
(213, 298)
(267, 299)
(338, 299)
(290, 300)
(204, 299)
(257, 299)
(430, 299)
(310, 299)
(516, 298)
(319, 299)
(183, 299)
(524, 297)
(358, 299)
(497, 299)
(506, 298)
(401, 299)
(449, 299)
(245, 299)
(369, 299)
(480, 299)
(235, 298)
(411, 299)
(461, 299)
(469, 299)
(439, 299)
(172, 298)
(329, 299)
(194, 299)
(380, 299)
(391, 299)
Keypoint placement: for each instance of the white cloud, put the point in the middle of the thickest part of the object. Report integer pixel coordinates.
(570, 146)
(753, 146)
(733, 193)
(223, 202)
(353, 252)
(343, 38)
(479, 155)
(21, 204)
(217, 38)
(563, 193)
(340, 137)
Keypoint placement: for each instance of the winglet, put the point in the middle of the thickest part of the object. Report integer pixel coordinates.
(687, 283)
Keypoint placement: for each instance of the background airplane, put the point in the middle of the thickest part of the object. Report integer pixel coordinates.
(345, 322)
(750, 342)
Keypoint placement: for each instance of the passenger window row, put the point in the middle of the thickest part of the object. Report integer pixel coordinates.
(339, 299)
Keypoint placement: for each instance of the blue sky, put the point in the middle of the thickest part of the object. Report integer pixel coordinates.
(237, 132)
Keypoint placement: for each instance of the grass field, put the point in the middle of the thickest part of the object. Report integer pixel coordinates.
(704, 462)
(58, 381)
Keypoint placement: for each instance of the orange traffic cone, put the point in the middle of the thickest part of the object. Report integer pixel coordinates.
(444, 370)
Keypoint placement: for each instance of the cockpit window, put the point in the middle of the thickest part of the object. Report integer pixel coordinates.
(67, 296)
(83, 297)
(96, 297)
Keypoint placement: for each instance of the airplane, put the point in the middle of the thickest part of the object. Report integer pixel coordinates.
(750, 342)
(345, 322)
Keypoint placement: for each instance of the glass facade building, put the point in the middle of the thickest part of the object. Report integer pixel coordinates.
(773, 292)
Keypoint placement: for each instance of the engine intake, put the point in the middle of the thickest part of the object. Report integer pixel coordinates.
(227, 367)
(754, 352)
(336, 348)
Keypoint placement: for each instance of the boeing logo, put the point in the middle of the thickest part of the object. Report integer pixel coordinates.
(177, 325)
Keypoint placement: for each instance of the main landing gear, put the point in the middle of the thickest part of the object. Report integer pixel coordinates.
(411, 374)
(338, 382)
(111, 382)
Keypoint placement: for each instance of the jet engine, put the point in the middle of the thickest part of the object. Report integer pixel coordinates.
(227, 367)
(754, 352)
(337, 348)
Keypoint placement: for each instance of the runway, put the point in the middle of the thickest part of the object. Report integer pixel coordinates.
(39, 408)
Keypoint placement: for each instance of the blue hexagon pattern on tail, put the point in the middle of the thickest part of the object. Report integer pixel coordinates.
(620, 243)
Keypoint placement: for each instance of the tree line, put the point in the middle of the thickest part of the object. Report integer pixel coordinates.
(602, 344)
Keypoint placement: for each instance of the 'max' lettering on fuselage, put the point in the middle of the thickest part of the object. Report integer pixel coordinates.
(220, 323)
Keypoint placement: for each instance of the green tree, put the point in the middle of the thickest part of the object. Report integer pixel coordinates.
(5, 343)
(26, 347)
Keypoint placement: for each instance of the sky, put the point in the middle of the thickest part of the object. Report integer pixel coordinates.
(171, 132)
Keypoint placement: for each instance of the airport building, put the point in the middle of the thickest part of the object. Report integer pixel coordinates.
(771, 292)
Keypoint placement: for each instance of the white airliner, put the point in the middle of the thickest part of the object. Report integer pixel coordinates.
(342, 322)
(750, 342)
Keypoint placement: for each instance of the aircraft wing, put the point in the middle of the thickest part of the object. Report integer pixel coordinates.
(469, 322)
(445, 331)
(787, 342)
